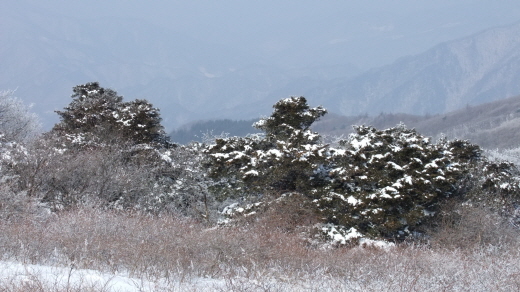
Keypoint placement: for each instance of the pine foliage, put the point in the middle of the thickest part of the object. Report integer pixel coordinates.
(387, 183)
(380, 184)
(282, 160)
(99, 115)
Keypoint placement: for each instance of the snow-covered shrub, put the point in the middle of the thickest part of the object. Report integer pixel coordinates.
(64, 178)
(18, 206)
(17, 123)
(185, 184)
(110, 153)
(141, 177)
(468, 225)
(287, 212)
(382, 184)
(387, 183)
(99, 115)
(495, 186)
(287, 158)
(122, 176)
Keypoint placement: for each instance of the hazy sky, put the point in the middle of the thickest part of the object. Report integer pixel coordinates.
(368, 33)
(184, 55)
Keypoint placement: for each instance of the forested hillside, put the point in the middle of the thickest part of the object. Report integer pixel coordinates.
(198, 131)
(493, 125)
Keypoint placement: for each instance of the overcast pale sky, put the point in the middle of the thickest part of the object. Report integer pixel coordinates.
(171, 51)
(271, 28)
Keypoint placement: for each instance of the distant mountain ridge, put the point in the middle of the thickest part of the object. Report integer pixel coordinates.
(44, 55)
(493, 125)
(186, 78)
(468, 71)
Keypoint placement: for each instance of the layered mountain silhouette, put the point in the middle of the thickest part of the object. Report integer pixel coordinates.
(481, 68)
(190, 79)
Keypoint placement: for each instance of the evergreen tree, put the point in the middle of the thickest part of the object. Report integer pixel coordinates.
(285, 159)
(92, 110)
(389, 183)
(99, 115)
(140, 122)
(290, 117)
(380, 184)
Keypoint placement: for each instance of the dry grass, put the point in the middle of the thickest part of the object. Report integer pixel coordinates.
(466, 227)
(262, 255)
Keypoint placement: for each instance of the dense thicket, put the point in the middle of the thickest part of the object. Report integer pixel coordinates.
(378, 183)
(387, 184)
(108, 153)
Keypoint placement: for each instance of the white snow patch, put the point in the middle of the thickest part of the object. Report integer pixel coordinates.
(166, 157)
(338, 235)
(377, 156)
(428, 213)
(251, 172)
(360, 144)
(365, 242)
(65, 278)
(395, 165)
(51, 278)
(275, 152)
(353, 201)
(386, 190)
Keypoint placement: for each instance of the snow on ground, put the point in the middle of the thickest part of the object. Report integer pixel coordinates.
(15, 273)
(69, 278)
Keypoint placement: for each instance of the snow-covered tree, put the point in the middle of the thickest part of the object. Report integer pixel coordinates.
(287, 158)
(92, 109)
(495, 185)
(17, 123)
(291, 116)
(387, 183)
(99, 115)
(383, 184)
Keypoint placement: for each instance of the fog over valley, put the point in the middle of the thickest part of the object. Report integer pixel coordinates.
(202, 60)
